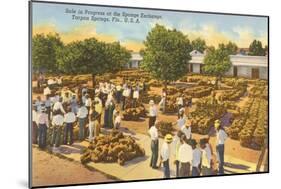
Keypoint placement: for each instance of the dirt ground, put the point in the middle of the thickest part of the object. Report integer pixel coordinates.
(45, 171)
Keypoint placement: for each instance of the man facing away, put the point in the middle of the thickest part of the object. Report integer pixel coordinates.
(185, 157)
(153, 132)
(82, 118)
(69, 119)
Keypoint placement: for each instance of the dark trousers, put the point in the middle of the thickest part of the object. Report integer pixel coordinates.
(166, 167)
(123, 102)
(82, 122)
(49, 112)
(56, 136)
(220, 155)
(42, 135)
(34, 132)
(68, 132)
(184, 169)
(177, 168)
(154, 154)
(195, 172)
(151, 121)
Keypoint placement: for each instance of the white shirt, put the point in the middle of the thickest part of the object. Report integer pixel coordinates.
(165, 151)
(196, 159)
(186, 131)
(185, 153)
(153, 132)
(88, 102)
(58, 120)
(82, 112)
(69, 117)
(117, 119)
(152, 111)
(43, 118)
(136, 94)
(51, 82)
(58, 106)
(181, 122)
(206, 156)
(34, 116)
(47, 91)
(221, 136)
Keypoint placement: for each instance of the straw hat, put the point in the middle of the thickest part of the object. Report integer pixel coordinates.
(151, 102)
(217, 124)
(168, 138)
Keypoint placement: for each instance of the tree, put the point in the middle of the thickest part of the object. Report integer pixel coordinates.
(166, 54)
(256, 49)
(92, 57)
(199, 45)
(231, 48)
(45, 49)
(217, 62)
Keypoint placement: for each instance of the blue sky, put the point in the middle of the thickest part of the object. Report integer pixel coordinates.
(214, 28)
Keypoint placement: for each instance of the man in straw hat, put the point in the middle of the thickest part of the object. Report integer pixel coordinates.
(153, 132)
(152, 113)
(165, 154)
(221, 137)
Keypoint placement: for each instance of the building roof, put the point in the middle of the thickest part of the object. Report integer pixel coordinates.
(136, 56)
(237, 60)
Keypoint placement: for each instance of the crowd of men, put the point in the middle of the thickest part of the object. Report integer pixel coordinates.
(191, 157)
(61, 108)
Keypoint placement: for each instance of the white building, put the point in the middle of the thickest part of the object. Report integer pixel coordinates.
(135, 60)
(242, 65)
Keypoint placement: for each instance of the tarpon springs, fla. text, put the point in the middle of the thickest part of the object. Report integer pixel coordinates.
(110, 16)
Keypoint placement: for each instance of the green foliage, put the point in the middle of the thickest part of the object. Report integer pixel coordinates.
(166, 54)
(199, 45)
(231, 48)
(256, 48)
(92, 57)
(217, 61)
(45, 50)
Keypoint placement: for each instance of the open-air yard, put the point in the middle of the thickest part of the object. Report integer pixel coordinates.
(240, 104)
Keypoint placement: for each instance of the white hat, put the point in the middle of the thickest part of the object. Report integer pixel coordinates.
(151, 102)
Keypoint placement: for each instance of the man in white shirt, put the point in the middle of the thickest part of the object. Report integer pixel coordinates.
(69, 119)
(181, 121)
(117, 120)
(152, 113)
(82, 118)
(206, 157)
(196, 158)
(221, 138)
(179, 104)
(185, 157)
(165, 154)
(58, 106)
(43, 123)
(135, 96)
(186, 129)
(46, 91)
(153, 132)
(57, 123)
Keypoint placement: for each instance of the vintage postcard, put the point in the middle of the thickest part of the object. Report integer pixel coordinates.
(124, 94)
